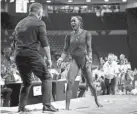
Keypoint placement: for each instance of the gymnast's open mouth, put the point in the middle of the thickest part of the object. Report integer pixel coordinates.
(73, 26)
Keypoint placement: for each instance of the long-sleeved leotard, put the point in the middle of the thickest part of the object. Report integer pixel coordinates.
(78, 46)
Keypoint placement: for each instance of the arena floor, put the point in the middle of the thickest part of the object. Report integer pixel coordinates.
(119, 104)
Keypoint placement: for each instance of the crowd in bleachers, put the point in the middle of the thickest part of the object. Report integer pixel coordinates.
(112, 76)
(110, 69)
(115, 75)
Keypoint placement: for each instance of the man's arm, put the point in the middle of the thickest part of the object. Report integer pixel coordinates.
(42, 36)
(47, 51)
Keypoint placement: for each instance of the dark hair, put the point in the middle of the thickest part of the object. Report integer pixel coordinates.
(34, 7)
(80, 19)
(102, 77)
(96, 76)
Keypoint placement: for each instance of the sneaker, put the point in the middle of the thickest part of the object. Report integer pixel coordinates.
(49, 108)
(23, 109)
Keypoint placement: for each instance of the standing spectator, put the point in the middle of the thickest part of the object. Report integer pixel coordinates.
(122, 59)
(110, 74)
(123, 67)
(128, 81)
(115, 62)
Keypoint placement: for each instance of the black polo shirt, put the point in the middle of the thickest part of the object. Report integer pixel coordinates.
(30, 33)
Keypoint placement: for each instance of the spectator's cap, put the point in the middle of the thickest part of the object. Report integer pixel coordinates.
(34, 7)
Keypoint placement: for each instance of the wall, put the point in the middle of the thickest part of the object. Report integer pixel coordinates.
(132, 35)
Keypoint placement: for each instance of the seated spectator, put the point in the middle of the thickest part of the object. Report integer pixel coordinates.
(128, 81)
(54, 74)
(135, 78)
(5, 92)
(123, 67)
(102, 83)
(65, 68)
(15, 73)
(97, 83)
(106, 59)
(122, 59)
(7, 53)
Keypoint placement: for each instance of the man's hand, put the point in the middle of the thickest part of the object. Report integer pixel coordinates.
(59, 61)
(49, 62)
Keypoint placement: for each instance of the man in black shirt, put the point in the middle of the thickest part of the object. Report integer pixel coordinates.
(30, 33)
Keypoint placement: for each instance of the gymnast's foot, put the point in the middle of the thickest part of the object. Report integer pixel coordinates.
(67, 108)
(98, 104)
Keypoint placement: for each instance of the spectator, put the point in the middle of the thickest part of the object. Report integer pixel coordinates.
(65, 68)
(122, 59)
(102, 83)
(5, 91)
(110, 74)
(128, 81)
(82, 85)
(102, 62)
(115, 62)
(123, 67)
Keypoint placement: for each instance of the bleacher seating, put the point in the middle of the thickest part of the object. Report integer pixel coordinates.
(101, 44)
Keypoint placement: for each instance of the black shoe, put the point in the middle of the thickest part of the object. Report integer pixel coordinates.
(49, 108)
(23, 109)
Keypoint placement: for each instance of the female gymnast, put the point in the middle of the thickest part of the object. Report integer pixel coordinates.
(78, 45)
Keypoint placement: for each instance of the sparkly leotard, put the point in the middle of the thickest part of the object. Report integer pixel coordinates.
(78, 46)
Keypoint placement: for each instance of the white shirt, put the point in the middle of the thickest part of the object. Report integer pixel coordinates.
(124, 67)
(1, 81)
(110, 70)
(53, 71)
(97, 72)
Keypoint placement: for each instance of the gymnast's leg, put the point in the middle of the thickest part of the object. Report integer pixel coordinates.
(88, 75)
(72, 74)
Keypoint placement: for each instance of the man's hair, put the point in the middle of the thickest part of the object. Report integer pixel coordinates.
(34, 7)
